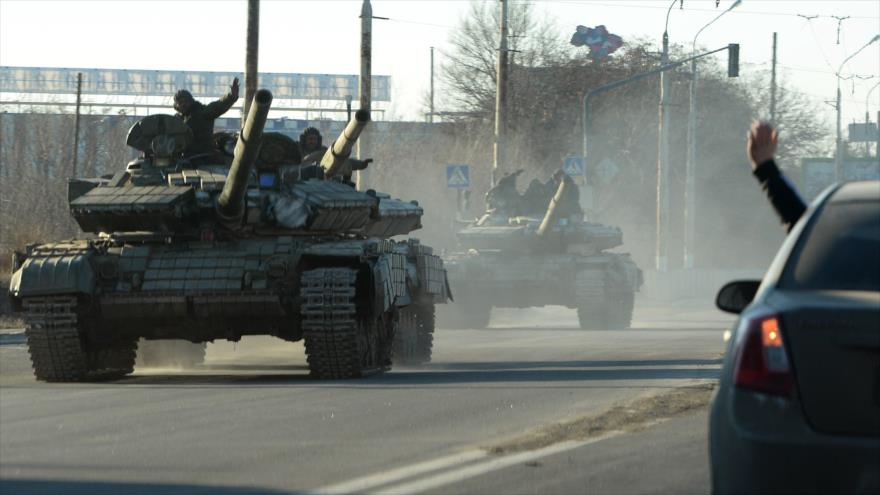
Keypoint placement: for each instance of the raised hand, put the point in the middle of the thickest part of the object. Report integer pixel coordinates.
(234, 87)
(762, 143)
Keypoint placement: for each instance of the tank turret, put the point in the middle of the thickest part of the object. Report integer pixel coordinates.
(230, 204)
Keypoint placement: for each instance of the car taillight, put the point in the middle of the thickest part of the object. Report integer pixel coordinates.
(762, 363)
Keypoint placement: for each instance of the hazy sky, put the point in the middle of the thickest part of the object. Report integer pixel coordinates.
(323, 36)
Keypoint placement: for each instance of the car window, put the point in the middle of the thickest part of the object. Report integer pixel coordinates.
(841, 251)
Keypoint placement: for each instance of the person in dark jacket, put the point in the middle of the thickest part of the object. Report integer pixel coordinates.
(782, 194)
(200, 118)
(310, 141)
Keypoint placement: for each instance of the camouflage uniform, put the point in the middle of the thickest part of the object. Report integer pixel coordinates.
(200, 118)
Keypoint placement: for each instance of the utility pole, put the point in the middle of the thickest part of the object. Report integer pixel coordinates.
(499, 155)
(660, 262)
(365, 89)
(773, 84)
(252, 52)
(79, 83)
(365, 86)
(431, 115)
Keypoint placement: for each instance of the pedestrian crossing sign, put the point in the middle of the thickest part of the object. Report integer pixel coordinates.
(573, 165)
(458, 176)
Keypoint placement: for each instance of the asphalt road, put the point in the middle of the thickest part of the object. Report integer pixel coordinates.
(251, 421)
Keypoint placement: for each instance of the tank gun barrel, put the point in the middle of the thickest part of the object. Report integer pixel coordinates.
(230, 205)
(552, 209)
(336, 155)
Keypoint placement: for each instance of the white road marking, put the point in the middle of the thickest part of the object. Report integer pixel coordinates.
(467, 472)
(362, 484)
(455, 468)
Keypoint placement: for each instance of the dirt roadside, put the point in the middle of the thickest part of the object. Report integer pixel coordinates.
(632, 415)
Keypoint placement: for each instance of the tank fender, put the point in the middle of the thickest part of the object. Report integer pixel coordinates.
(625, 273)
(54, 274)
(433, 280)
(389, 278)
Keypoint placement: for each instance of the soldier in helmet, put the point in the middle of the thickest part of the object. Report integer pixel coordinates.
(310, 145)
(200, 118)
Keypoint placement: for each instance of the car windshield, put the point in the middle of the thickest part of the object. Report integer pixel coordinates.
(841, 251)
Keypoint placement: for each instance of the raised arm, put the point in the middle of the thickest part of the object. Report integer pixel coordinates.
(221, 106)
(781, 193)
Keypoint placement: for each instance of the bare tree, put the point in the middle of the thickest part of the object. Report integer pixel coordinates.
(469, 69)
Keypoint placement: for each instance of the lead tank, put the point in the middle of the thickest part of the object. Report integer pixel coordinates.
(536, 249)
(253, 244)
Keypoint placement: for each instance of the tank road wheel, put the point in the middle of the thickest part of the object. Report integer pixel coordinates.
(174, 353)
(59, 353)
(414, 339)
(339, 342)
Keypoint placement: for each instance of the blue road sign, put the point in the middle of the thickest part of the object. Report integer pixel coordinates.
(573, 165)
(458, 176)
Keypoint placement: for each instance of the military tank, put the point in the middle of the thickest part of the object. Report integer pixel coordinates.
(536, 249)
(258, 243)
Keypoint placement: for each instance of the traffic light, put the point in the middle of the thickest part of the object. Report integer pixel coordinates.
(733, 60)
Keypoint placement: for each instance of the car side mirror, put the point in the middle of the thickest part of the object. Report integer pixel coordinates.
(735, 296)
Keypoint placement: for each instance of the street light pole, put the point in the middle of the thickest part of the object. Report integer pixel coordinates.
(838, 155)
(661, 251)
(690, 164)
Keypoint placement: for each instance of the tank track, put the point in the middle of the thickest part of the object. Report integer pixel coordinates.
(331, 331)
(58, 352)
(414, 338)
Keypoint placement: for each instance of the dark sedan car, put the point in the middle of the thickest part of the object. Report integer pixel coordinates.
(798, 404)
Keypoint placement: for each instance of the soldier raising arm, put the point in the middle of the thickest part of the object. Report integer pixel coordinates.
(200, 118)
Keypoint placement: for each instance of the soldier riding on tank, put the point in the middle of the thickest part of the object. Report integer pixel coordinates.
(200, 118)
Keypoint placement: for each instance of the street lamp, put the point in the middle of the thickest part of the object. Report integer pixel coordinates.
(690, 164)
(663, 154)
(838, 155)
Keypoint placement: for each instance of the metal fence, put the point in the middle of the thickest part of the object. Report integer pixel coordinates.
(291, 86)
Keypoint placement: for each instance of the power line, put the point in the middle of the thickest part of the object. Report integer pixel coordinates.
(660, 7)
(809, 18)
(808, 69)
(421, 23)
